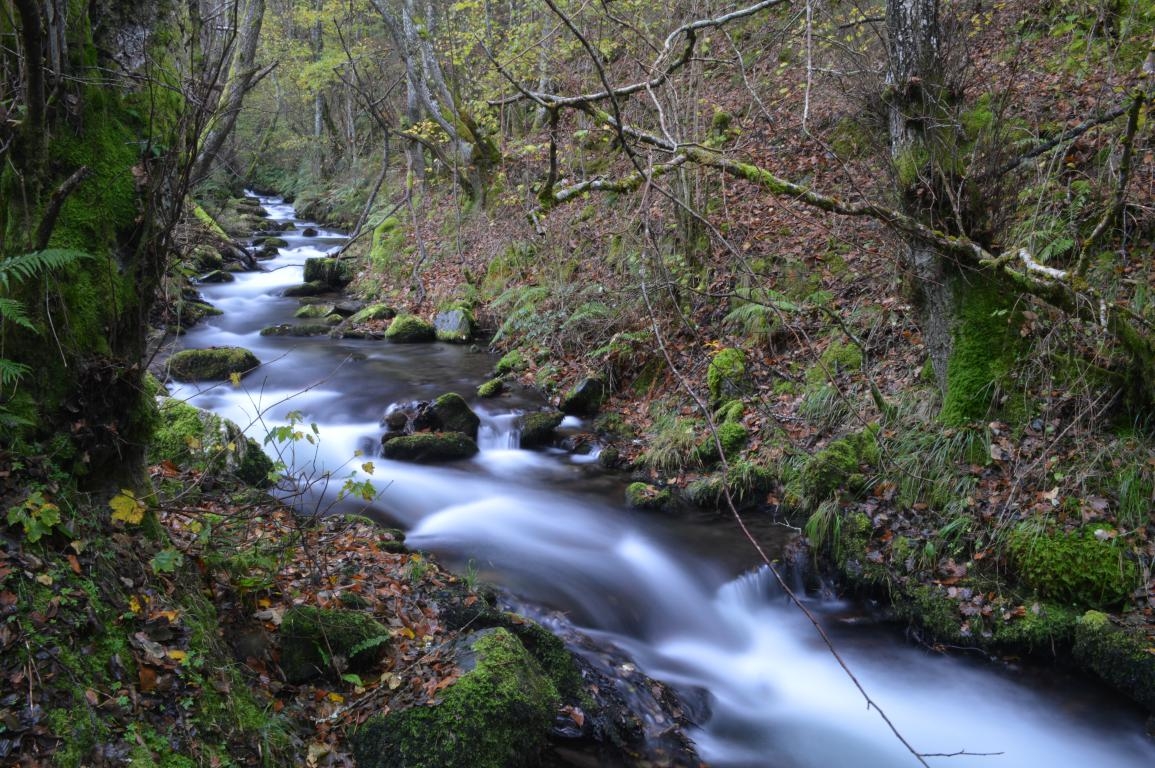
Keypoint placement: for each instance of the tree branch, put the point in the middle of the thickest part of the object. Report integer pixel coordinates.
(55, 203)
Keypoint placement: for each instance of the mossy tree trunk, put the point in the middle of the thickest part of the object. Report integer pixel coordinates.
(92, 187)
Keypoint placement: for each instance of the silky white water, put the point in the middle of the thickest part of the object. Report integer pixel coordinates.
(539, 523)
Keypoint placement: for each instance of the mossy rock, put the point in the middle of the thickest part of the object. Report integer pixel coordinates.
(205, 258)
(842, 465)
(297, 329)
(726, 376)
(585, 398)
(190, 437)
(410, 329)
(451, 413)
(454, 325)
(335, 273)
(731, 435)
(836, 358)
(511, 362)
(212, 364)
(312, 638)
(538, 429)
(1088, 568)
(497, 715)
(307, 289)
(315, 311)
(373, 312)
(1120, 657)
(271, 242)
(492, 388)
(429, 447)
(646, 496)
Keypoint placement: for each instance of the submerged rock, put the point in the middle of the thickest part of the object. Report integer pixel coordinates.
(212, 364)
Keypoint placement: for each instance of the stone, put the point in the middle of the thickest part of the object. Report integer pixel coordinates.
(191, 437)
(646, 496)
(585, 398)
(309, 232)
(538, 429)
(496, 715)
(212, 364)
(450, 413)
(336, 273)
(307, 289)
(314, 311)
(410, 329)
(491, 388)
(297, 329)
(454, 325)
(217, 276)
(313, 639)
(373, 312)
(429, 447)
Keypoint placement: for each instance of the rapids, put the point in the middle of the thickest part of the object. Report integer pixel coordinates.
(681, 597)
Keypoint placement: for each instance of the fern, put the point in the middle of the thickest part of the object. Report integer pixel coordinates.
(13, 311)
(27, 266)
(11, 372)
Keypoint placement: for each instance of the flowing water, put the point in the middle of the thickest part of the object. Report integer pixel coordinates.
(682, 597)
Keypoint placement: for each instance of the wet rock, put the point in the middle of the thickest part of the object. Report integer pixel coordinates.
(410, 329)
(586, 398)
(336, 273)
(450, 413)
(217, 276)
(190, 437)
(212, 364)
(373, 312)
(1120, 656)
(646, 496)
(307, 289)
(309, 232)
(271, 243)
(491, 388)
(429, 447)
(454, 325)
(538, 429)
(297, 329)
(314, 311)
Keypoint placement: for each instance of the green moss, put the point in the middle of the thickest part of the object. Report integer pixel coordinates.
(208, 221)
(836, 358)
(730, 411)
(511, 362)
(492, 388)
(1077, 568)
(843, 465)
(190, 437)
(312, 637)
(497, 715)
(1119, 656)
(214, 364)
(430, 447)
(388, 241)
(452, 414)
(539, 428)
(646, 496)
(726, 376)
(373, 312)
(410, 329)
(732, 437)
(984, 351)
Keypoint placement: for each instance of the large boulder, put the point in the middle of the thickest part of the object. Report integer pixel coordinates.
(450, 413)
(201, 440)
(317, 641)
(454, 325)
(429, 447)
(538, 429)
(586, 398)
(336, 273)
(212, 364)
(410, 329)
(497, 715)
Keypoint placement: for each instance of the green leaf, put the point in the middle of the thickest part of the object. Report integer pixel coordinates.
(166, 561)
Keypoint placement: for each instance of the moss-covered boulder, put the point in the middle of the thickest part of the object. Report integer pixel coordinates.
(315, 288)
(844, 464)
(410, 329)
(511, 362)
(451, 413)
(297, 329)
(212, 364)
(646, 496)
(373, 312)
(454, 325)
(492, 388)
(1122, 658)
(1088, 568)
(497, 715)
(429, 447)
(538, 429)
(317, 641)
(315, 311)
(726, 376)
(585, 398)
(335, 273)
(732, 437)
(201, 440)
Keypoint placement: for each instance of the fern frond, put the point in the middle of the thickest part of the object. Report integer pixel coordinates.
(27, 266)
(11, 372)
(12, 311)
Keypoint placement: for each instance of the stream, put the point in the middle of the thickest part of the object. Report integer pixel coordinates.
(683, 597)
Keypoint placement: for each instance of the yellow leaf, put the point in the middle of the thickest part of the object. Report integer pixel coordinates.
(336, 698)
(127, 507)
(134, 604)
(368, 467)
(177, 655)
(235, 379)
(44, 579)
(407, 632)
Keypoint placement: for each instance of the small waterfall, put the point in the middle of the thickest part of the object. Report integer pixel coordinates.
(498, 431)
